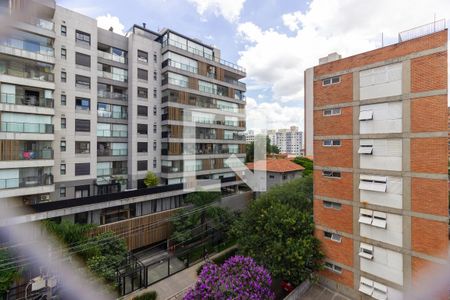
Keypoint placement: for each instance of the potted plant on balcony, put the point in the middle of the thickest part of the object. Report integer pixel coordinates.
(151, 179)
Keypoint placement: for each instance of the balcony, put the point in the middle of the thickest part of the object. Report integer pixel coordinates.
(178, 65)
(235, 82)
(46, 154)
(27, 181)
(28, 100)
(26, 69)
(26, 127)
(112, 76)
(24, 48)
(112, 57)
(112, 171)
(41, 23)
(112, 152)
(171, 42)
(112, 95)
(112, 133)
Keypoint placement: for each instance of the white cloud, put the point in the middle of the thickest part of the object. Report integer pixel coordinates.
(229, 9)
(272, 115)
(278, 60)
(109, 21)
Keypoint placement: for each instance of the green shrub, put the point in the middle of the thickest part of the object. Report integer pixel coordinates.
(146, 296)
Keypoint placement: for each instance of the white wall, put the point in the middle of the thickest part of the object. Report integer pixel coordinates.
(380, 82)
(309, 111)
(387, 118)
(385, 263)
(391, 198)
(393, 234)
(387, 155)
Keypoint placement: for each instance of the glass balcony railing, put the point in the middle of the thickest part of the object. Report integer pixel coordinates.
(27, 46)
(112, 57)
(112, 171)
(112, 152)
(112, 95)
(112, 76)
(202, 54)
(26, 155)
(27, 71)
(44, 24)
(26, 100)
(112, 133)
(24, 182)
(235, 82)
(26, 127)
(180, 66)
(112, 114)
(178, 82)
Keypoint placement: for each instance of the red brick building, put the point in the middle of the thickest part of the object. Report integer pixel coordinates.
(379, 122)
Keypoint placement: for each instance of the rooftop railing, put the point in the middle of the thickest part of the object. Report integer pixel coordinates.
(421, 30)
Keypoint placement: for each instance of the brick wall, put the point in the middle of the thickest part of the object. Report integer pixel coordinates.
(336, 156)
(340, 188)
(429, 155)
(338, 219)
(429, 237)
(423, 108)
(334, 125)
(338, 252)
(424, 194)
(345, 278)
(429, 72)
(334, 93)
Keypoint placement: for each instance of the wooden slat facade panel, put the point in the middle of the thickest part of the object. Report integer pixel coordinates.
(141, 231)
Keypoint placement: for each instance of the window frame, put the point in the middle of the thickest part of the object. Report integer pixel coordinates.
(331, 143)
(331, 174)
(84, 40)
(332, 112)
(331, 80)
(63, 30)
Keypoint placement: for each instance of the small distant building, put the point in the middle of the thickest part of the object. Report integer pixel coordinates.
(279, 170)
(250, 137)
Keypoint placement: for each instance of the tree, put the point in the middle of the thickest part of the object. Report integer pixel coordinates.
(238, 278)
(250, 150)
(202, 211)
(151, 179)
(305, 163)
(277, 231)
(9, 273)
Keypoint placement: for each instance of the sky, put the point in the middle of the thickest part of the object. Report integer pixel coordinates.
(275, 40)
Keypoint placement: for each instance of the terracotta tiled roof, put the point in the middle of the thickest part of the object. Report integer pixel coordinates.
(275, 165)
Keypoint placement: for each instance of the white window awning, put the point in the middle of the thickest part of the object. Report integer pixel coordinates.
(366, 251)
(373, 183)
(365, 255)
(365, 150)
(379, 219)
(366, 115)
(366, 286)
(379, 291)
(365, 216)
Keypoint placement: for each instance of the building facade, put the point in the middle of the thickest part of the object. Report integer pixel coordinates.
(85, 114)
(377, 125)
(289, 141)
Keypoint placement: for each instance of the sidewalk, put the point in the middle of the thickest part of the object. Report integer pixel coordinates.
(174, 286)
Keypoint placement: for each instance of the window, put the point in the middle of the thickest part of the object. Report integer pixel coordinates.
(271, 177)
(155, 110)
(372, 288)
(366, 286)
(82, 104)
(154, 163)
(142, 165)
(155, 93)
(373, 183)
(82, 59)
(63, 77)
(82, 169)
(63, 123)
(366, 251)
(332, 267)
(83, 81)
(142, 92)
(154, 145)
(154, 128)
(142, 56)
(63, 100)
(63, 30)
(331, 143)
(155, 75)
(62, 192)
(366, 115)
(62, 169)
(82, 125)
(142, 128)
(143, 74)
(331, 80)
(374, 218)
(62, 146)
(142, 111)
(332, 112)
(82, 191)
(82, 147)
(332, 236)
(155, 58)
(332, 174)
(142, 147)
(83, 37)
(63, 53)
(365, 149)
(81, 218)
(333, 205)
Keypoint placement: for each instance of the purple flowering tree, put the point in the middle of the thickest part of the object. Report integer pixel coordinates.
(238, 278)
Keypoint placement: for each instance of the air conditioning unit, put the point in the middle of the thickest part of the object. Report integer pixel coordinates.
(45, 197)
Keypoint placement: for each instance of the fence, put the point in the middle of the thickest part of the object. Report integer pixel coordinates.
(422, 30)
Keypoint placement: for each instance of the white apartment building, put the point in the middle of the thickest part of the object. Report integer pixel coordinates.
(287, 140)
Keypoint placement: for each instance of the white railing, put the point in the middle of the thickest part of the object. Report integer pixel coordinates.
(423, 30)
